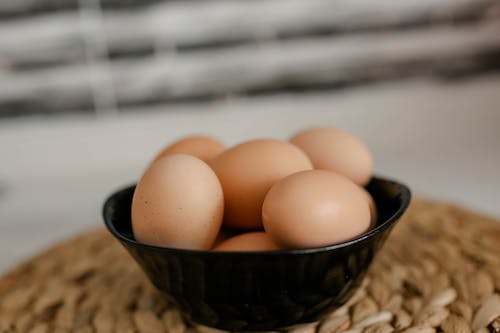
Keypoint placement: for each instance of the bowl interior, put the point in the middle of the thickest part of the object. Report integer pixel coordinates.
(391, 199)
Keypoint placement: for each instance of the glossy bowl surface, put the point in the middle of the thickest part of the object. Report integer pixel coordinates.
(259, 290)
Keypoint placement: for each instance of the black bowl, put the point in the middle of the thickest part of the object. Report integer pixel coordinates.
(259, 290)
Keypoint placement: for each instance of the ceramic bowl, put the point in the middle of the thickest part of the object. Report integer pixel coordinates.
(260, 290)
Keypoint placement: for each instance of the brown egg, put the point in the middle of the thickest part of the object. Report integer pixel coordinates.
(373, 208)
(178, 203)
(251, 241)
(224, 233)
(204, 147)
(248, 170)
(315, 208)
(338, 151)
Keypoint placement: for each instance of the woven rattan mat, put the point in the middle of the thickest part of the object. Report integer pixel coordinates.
(439, 271)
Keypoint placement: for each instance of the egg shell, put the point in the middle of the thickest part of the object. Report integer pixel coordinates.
(250, 241)
(313, 209)
(204, 147)
(224, 233)
(178, 203)
(373, 208)
(247, 171)
(338, 151)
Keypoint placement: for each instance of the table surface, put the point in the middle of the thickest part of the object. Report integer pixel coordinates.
(443, 139)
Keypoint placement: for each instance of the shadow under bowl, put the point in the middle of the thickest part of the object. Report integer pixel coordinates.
(253, 291)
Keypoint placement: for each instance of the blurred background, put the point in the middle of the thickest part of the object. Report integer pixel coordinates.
(90, 90)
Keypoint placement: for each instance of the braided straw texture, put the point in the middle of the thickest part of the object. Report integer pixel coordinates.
(438, 272)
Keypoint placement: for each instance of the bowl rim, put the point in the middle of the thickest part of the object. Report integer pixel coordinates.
(404, 193)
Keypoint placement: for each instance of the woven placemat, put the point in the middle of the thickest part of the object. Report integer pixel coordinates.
(439, 271)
